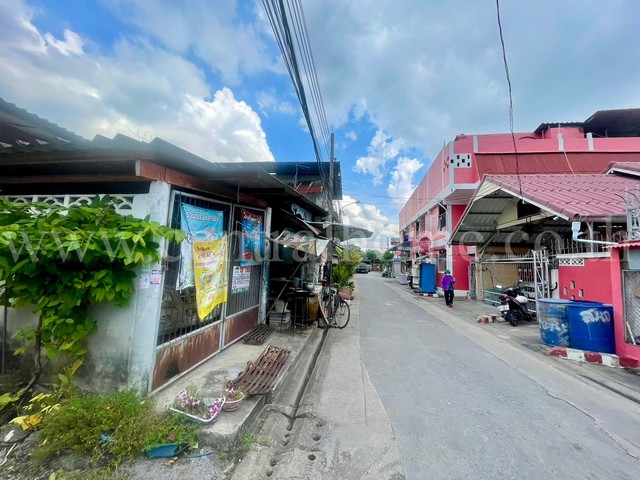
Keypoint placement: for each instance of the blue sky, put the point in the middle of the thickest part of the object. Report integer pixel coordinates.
(398, 77)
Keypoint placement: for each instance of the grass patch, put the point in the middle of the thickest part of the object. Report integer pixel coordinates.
(110, 428)
(246, 439)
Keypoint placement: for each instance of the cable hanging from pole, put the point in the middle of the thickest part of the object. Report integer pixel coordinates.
(290, 32)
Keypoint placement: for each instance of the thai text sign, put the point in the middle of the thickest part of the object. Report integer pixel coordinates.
(241, 280)
(203, 257)
(252, 238)
(210, 275)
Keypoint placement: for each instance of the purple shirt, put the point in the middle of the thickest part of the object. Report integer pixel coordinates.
(447, 282)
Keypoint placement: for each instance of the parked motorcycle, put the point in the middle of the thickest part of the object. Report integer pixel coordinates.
(513, 305)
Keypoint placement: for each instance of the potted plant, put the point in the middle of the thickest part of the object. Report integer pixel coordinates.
(341, 275)
(233, 397)
(164, 446)
(169, 437)
(193, 405)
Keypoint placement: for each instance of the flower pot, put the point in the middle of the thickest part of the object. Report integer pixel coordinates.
(165, 451)
(200, 419)
(346, 293)
(233, 405)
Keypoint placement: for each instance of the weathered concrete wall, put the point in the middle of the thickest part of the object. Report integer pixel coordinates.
(107, 362)
(148, 301)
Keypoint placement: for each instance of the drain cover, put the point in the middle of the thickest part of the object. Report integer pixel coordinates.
(259, 377)
(258, 335)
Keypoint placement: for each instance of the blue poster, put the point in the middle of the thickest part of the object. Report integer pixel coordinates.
(252, 239)
(200, 225)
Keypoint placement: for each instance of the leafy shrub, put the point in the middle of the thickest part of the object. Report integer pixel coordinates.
(110, 427)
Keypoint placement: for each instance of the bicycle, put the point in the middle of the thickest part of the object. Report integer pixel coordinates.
(336, 309)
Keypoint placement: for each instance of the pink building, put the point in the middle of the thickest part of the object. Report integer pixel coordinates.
(438, 203)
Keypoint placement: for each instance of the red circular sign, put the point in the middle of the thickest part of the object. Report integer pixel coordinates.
(424, 243)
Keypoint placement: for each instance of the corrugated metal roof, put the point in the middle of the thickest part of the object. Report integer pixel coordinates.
(19, 127)
(605, 123)
(548, 163)
(586, 195)
(546, 126)
(628, 244)
(614, 123)
(624, 167)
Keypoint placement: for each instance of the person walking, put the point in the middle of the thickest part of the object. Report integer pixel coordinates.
(447, 285)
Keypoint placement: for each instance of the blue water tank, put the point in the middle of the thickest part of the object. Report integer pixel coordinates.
(428, 278)
(591, 326)
(553, 322)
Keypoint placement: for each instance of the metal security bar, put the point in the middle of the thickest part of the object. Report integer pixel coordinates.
(238, 302)
(631, 289)
(179, 315)
(506, 271)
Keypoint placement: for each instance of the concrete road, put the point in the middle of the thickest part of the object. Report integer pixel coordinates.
(464, 403)
(410, 390)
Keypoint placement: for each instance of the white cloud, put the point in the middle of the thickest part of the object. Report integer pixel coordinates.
(401, 185)
(225, 129)
(215, 32)
(351, 135)
(71, 45)
(368, 216)
(137, 87)
(268, 102)
(381, 150)
(426, 71)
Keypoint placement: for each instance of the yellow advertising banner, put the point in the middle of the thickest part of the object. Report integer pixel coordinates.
(209, 266)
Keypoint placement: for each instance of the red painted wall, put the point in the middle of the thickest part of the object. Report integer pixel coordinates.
(629, 354)
(594, 279)
(437, 177)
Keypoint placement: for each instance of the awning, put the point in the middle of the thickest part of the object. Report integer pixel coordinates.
(303, 241)
(400, 247)
(342, 231)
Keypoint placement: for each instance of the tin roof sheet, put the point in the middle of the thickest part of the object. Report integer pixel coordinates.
(585, 195)
(550, 163)
(624, 167)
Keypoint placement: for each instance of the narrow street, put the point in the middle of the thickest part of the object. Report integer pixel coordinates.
(409, 390)
(461, 410)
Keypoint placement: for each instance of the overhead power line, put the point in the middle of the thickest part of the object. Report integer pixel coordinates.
(506, 71)
(290, 30)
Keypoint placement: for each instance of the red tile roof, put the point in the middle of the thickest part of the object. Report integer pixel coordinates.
(585, 195)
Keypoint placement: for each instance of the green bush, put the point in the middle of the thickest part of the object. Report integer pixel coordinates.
(110, 427)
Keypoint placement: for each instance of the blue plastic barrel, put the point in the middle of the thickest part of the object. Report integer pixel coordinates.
(591, 326)
(553, 322)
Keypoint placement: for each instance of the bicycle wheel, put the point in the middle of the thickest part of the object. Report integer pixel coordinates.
(343, 314)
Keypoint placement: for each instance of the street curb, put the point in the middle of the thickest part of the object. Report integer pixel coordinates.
(606, 359)
(293, 382)
(487, 319)
(209, 435)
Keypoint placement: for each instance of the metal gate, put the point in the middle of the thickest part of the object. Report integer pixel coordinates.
(473, 284)
(184, 340)
(531, 269)
(631, 289)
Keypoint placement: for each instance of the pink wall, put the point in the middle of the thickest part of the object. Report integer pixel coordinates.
(593, 279)
(461, 267)
(629, 354)
(437, 177)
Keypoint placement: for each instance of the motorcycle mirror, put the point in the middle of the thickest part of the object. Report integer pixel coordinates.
(498, 286)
